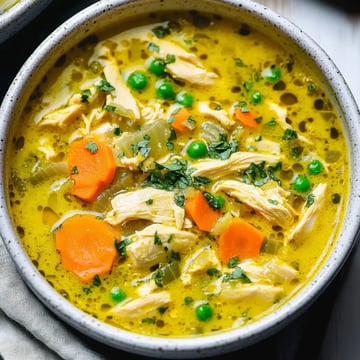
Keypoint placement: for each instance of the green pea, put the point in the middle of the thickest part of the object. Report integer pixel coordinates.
(301, 183)
(204, 312)
(117, 294)
(274, 74)
(256, 97)
(164, 90)
(137, 80)
(315, 167)
(157, 67)
(184, 98)
(197, 149)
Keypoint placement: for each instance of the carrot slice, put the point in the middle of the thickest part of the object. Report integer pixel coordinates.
(200, 212)
(181, 120)
(92, 167)
(86, 245)
(241, 240)
(246, 118)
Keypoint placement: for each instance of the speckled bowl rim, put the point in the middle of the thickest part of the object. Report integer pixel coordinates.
(18, 16)
(219, 343)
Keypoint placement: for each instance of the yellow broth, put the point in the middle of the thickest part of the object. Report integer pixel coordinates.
(243, 61)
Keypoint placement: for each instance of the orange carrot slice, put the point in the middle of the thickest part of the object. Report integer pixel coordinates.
(246, 118)
(200, 212)
(92, 167)
(181, 122)
(86, 245)
(241, 240)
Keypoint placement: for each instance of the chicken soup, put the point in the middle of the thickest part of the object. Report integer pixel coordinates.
(179, 177)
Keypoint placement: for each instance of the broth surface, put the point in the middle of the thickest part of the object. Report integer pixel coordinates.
(260, 141)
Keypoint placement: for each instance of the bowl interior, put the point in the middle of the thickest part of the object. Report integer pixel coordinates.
(105, 14)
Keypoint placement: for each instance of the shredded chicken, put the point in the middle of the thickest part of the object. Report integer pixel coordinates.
(122, 94)
(203, 259)
(221, 115)
(263, 145)
(271, 202)
(266, 293)
(62, 117)
(186, 66)
(281, 119)
(237, 162)
(139, 307)
(274, 270)
(133, 205)
(309, 213)
(144, 252)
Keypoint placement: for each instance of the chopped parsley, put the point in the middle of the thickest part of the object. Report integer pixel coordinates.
(104, 85)
(160, 31)
(188, 300)
(290, 134)
(179, 200)
(158, 276)
(85, 96)
(121, 246)
(258, 175)
(142, 147)
(157, 239)
(153, 47)
(309, 200)
(92, 147)
(238, 274)
(233, 262)
(222, 149)
(96, 280)
(109, 108)
(117, 131)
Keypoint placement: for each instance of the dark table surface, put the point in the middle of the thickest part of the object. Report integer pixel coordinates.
(304, 337)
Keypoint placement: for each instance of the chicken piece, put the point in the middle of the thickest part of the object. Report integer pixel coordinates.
(237, 162)
(271, 272)
(309, 214)
(63, 116)
(152, 112)
(122, 95)
(133, 205)
(272, 203)
(263, 145)
(134, 308)
(202, 260)
(281, 119)
(186, 66)
(144, 252)
(264, 293)
(221, 115)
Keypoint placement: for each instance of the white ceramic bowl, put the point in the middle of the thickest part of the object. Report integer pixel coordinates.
(106, 13)
(19, 15)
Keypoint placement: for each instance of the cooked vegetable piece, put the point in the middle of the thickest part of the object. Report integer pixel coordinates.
(204, 312)
(181, 120)
(92, 167)
(197, 149)
(86, 246)
(164, 90)
(199, 211)
(246, 118)
(184, 98)
(301, 183)
(241, 240)
(137, 80)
